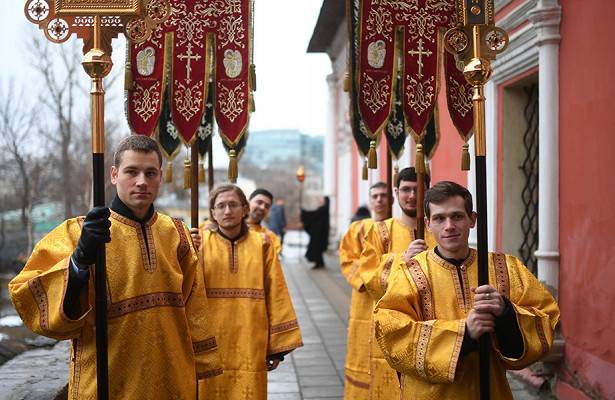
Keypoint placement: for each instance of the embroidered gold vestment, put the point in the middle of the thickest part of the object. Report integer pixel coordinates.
(252, 310)
(160, 331)
(357, 379)
(383, 248)
(275, 240)
(420, 324)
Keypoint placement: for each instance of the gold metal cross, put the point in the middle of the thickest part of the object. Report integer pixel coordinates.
(420, 51)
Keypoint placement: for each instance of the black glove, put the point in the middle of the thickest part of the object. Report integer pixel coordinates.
(94, 234)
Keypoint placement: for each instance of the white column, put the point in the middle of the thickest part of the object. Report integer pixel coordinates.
(545, 19)
(329, 173)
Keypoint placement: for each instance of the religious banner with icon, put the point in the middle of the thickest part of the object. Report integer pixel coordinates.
(412, 32)
(201, 40)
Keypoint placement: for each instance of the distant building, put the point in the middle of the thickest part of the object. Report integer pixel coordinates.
(269, 148)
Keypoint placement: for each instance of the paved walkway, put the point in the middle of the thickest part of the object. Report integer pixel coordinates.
(321, 299)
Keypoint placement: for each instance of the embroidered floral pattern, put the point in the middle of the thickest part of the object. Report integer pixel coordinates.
(231, 32)
(380, 22)
(420, 95)
(375, 92)
(188, 99)
(146, 100)
(231, 101)
(460, 96)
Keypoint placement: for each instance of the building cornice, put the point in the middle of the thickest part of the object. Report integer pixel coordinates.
(546, 18)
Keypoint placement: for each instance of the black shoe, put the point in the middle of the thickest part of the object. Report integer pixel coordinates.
(318, 266)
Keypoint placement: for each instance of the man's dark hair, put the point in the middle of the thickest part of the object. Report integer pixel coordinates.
(443, 191)
(378, 185)
(409, 175)
(140, 143)
(262, 191)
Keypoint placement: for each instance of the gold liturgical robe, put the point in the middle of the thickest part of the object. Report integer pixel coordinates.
(160, 331)
(357, 379)
(420, 324)
(252, 310)
(272, 236)
(383, 248)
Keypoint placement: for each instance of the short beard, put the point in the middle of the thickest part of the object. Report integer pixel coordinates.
(255, 220)
(410, 213)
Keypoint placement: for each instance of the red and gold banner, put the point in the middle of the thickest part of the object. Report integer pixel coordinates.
(200, 38)
(411, 30)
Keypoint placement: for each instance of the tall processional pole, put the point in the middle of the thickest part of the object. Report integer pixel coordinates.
(97, 24)
(476, 42)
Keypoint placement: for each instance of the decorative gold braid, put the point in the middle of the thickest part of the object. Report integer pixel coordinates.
(501, 274)
(422, 284)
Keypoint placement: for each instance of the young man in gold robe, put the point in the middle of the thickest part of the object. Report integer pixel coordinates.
(385, 243)
(260, 204)
(160, 338)
(432, 314)
(249, 301)
(357, 378)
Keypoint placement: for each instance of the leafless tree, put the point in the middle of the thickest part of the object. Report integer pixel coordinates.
(65, 100)
(60, 69)
(18, 134)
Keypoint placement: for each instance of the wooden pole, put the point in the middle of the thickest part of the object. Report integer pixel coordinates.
(420, 205)
(98, 64)
(194, 184)
(390, 183)
(210, 167)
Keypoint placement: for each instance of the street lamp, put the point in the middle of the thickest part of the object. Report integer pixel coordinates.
(300, 177)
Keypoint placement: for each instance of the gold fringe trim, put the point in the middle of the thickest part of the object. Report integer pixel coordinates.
(251, 105)
(232, 166)
(465, 158)
(253, 77)
(129, 84)
(347, 82)
(372, 156)
(419, 161)
(168, 172)
(395, 173)
(186, 174)
(201, 172)
(364, 170)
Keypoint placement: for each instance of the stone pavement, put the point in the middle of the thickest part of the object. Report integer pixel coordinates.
(321, 299)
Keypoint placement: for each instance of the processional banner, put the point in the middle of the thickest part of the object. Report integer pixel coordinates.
(411, 31)
(200, 41)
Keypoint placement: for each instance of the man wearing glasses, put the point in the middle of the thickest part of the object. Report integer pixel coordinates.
(248, 297)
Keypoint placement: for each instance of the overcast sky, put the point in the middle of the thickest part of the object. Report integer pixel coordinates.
(291, 87)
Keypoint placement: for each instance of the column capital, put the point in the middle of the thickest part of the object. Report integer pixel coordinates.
(545, 19)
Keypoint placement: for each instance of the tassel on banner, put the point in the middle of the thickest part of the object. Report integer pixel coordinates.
(364, 171)
(186, 174)
(253, 77)
(201, 172)
(372, 156)
(395, 173)
(347, 82)
(251, 105)
(232, 166)
(419, 161)
(168, 172)
(129, 84)
(465, 158)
